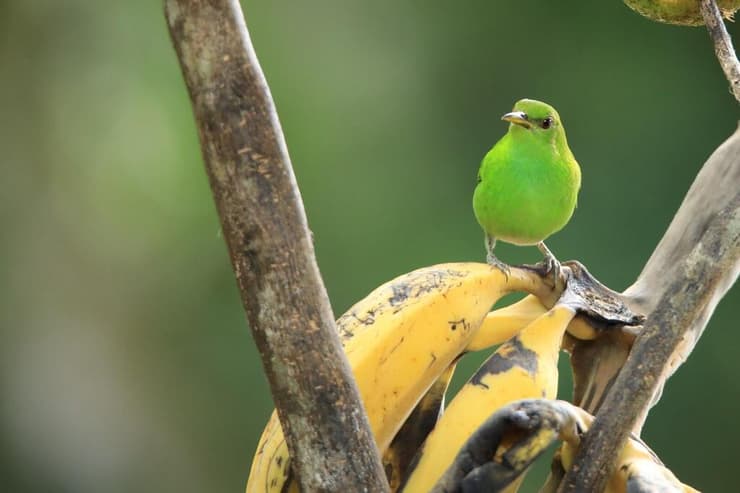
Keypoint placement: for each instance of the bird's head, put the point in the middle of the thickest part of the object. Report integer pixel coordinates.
(535, 120)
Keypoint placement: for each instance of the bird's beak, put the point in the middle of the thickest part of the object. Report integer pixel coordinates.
(518, 118)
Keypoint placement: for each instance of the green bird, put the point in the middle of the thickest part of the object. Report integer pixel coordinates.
(528, 182)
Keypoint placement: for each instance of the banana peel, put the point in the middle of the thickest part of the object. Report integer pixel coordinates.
(513, 437)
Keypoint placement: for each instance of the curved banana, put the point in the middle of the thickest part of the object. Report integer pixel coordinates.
(399, 340)
(496, 456)
(504, 323)
(501, 325)
(523, 367)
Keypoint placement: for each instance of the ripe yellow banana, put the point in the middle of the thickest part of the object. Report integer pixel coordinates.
(399, 340)
(506, 322)
(501, 325)
(523, 367)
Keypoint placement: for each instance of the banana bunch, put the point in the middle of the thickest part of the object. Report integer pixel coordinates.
(403, 342)
(401, 339)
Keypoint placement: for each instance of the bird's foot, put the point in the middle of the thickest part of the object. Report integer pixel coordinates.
(549, 264)
(493, 261)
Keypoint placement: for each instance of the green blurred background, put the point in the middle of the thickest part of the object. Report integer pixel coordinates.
(126, 363)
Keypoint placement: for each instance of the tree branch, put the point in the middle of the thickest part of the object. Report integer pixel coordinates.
(694, 265)
(265, 228)
(722, 44)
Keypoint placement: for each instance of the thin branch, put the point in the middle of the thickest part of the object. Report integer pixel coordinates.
(694, 265)
(265, 228)
(722, 44)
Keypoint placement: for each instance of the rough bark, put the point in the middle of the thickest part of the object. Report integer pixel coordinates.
(691, 269)
(270, 246)
(722, 44)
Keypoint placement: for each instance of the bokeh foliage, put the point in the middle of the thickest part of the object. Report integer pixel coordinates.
(126, 361)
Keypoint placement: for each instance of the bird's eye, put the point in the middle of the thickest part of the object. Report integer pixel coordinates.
(546, 123)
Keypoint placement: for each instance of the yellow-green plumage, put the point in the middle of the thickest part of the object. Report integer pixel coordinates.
(528, 182)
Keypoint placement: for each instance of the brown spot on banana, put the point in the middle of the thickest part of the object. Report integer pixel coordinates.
(512, 354)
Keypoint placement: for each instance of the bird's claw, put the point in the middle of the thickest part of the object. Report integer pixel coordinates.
(549, 265)
(493, 261)
(552, 266)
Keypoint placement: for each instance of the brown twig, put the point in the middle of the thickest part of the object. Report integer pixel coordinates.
(722, 44)
(696, 262)
(265, 228)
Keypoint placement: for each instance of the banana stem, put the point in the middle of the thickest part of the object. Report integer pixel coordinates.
(722, 44)
(537, 281)
(264, 225)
